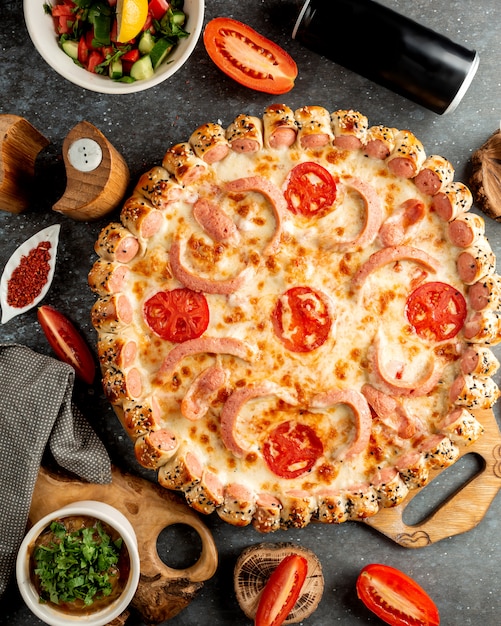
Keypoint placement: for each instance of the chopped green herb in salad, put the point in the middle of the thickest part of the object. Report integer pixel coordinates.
(87, 32)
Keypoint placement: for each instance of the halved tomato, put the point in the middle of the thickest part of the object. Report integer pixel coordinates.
(248, 57)
(395, 597)
(67, 343)
(281, 591)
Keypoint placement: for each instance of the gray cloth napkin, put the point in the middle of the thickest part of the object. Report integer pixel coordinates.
(36, 411)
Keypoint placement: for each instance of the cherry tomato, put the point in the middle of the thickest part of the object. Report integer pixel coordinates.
(248, 57)
(292, 449)
(395, 597)
(177, 315)
(310, 190)
(67, 343)
(437, 311)
(301, 319)
(281, 591)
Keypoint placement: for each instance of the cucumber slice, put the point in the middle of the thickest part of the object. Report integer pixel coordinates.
(160, 52)
(146, 43)
(142, 68)
(178, 18)
(71, 48)
(115, 69)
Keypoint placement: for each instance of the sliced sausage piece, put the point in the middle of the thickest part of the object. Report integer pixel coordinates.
(484, 327)
(398, 226)
(181, 472)
(314, 125)
(279, 126)
(486, 293)
(390, 411)
(479, 360)
(435, 174)
(206, 495)
(239, 505)
(107, 277)
(245, 134)
(202, 391)
(182, 162)
(461, 427)
(111, 313)
(393, 254)
(199, 283)
(379, 142)
(275, 197)
(466, 229)
(116, 243)
(215, 222)
(158, 187)
(476, 262)
(408, 155)
(454, 199)
(116, 350)
(474, 392)
(297, 509)
(361, 414)
(155, 448)
(349, 128)
(209, 142)
(140, 217)
(120, 385)
(266, 518)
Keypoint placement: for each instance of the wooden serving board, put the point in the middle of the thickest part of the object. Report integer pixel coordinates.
(464, 509)
(162, 591)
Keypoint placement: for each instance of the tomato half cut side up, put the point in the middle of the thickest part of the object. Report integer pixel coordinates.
(436, 311)
(292, 449)
(67, 343)
(282, 590)
(248, 57)
(310, 190)
(177, 315)
(395, 597)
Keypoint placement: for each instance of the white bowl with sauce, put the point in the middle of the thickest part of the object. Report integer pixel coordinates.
(48, 612)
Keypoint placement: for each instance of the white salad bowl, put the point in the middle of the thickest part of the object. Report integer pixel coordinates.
(40, 27)
(46, 612)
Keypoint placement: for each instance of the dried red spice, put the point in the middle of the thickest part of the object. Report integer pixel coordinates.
(30, 276)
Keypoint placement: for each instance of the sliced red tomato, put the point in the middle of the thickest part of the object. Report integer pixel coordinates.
(158, 8)
(301, 319)
(95, 59)
(281, 591)
(292, 449)
(310, 190)
(395, 597)
(177, 315)
(437, 311)
(248, 57)
(67, 343)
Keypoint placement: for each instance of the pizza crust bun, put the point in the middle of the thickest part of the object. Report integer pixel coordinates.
(485, 293)
(454, 199)
(116, 350)
(206, 495)
(155, 448)
(139, 417)
(245, 134)
(181, 472)
(413, 469)
(407, 156)
(379, 142)
(238, 506)
(209, 142)
(349, 128)
(266, 517)
(476, 262)
(255, 565)
(181, 161)
(279, 126)
(461, 427)
(107, 277)
(466, 229)
(140, 217)
(479, 360)
(474, 392)
(297, 509)
(435, 174)
(119, 385)
(158, 187)
(111, 313)
(314, 127)
(390, 486)
(484, 327)
(116, 243)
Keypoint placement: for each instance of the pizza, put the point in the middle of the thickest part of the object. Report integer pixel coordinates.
(295, 317)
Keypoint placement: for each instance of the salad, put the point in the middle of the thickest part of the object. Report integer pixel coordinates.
(87, 31)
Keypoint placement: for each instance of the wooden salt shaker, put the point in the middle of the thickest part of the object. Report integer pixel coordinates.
(97, 175)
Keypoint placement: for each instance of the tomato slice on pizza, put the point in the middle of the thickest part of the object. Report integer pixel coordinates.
(310, 190)
(177, 315)
(292, 449)
(436, 311)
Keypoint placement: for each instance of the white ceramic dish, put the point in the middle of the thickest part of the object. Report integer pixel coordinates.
(45, 612)
(41, 30)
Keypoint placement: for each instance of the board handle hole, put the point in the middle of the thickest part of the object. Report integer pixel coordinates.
(179, 546)
(444, 486)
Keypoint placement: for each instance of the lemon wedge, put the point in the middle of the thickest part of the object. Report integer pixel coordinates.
(131, 17)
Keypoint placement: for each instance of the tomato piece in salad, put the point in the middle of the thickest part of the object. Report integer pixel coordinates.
(248, 57)
(395, 597)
